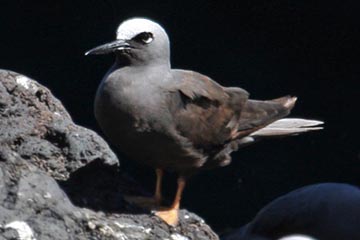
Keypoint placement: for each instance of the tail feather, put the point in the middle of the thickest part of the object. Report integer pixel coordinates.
(257, 114)
(288, 127)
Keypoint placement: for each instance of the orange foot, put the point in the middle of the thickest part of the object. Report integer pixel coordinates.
(144, 202)
(170, 216)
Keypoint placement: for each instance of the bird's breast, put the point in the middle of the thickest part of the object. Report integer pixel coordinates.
(130, 106)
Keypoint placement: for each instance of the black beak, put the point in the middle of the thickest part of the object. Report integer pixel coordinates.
(109, 47)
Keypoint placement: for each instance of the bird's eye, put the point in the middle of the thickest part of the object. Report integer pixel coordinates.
(144, 37)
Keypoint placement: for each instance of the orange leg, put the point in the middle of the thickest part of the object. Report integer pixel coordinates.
(158, 195)
(171, 215)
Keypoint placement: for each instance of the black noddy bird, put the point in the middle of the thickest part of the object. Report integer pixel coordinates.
(178, 120)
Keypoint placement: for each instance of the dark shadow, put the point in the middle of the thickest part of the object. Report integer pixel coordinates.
(102, 188)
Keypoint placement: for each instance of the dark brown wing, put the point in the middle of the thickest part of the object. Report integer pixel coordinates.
(206, 113)
(213, 118)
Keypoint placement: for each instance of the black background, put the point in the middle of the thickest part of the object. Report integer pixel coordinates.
(270, 48)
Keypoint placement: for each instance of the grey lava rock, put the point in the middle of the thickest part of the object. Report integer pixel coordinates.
(61, 181)
(36, 126)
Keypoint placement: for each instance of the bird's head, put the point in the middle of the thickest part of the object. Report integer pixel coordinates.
(138, 40)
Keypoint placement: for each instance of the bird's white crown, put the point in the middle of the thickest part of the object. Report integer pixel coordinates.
(130, 28)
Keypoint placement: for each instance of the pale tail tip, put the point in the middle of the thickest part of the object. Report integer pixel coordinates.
(312, 123)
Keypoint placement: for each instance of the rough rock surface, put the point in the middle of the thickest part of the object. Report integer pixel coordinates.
(61, 181)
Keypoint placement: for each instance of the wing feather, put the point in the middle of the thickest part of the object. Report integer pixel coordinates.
(207, 113)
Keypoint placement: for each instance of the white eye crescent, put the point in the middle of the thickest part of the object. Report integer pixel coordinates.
(148, 40)
(144, 37)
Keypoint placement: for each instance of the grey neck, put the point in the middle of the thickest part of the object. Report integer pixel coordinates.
(126, 61)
